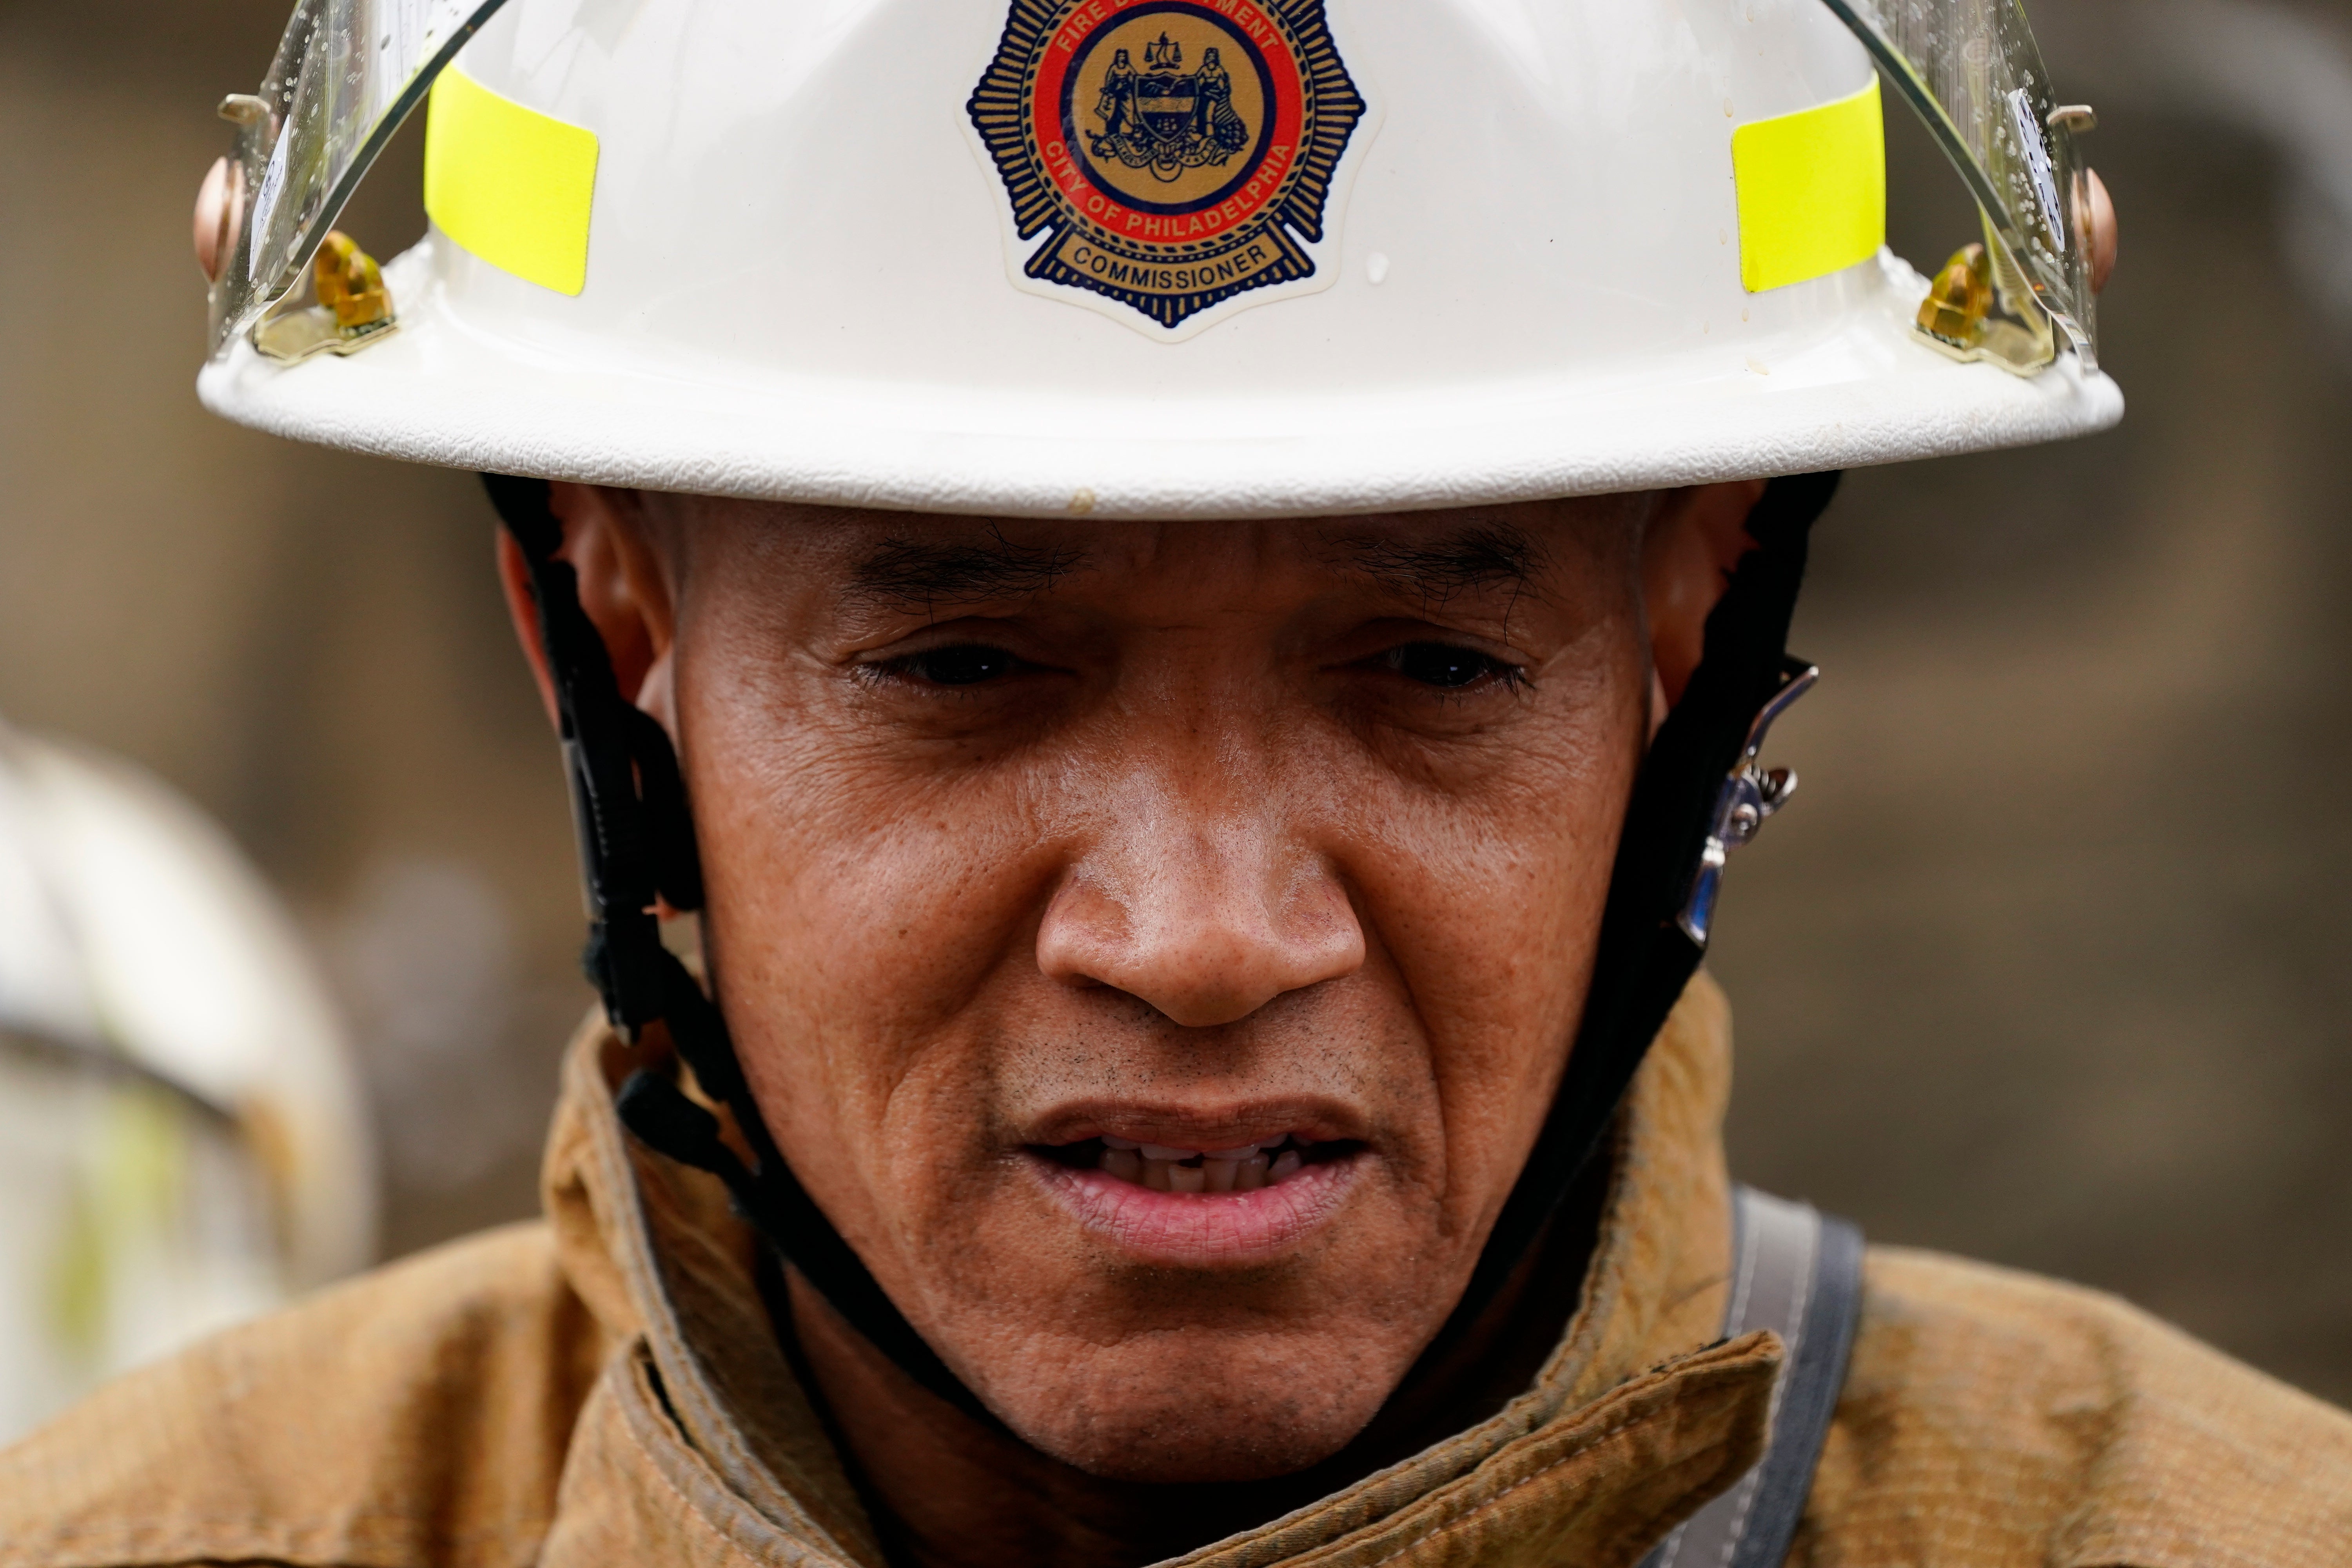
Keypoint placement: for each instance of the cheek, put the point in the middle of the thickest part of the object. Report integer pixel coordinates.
(860, 926)
(1488, 908)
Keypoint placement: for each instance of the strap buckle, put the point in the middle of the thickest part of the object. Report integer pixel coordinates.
(1750, 794)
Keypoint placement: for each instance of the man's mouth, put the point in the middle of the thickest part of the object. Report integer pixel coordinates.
(1205, 1204)
(1164, 1168)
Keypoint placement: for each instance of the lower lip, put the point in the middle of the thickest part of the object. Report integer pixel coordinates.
(1195, 1230)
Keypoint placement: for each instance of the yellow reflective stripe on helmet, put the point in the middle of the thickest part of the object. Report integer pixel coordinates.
(510, 184)
(1812, 191)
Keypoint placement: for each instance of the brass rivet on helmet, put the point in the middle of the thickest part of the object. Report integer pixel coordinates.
(350, 285)
(1959, 299)
(353, 309)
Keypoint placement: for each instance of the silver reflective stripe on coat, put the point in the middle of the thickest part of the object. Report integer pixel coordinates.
(1799, 1275)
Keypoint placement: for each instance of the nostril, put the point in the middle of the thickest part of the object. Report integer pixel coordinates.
(1208, 1001)
(1205, 927)
(1199, 963)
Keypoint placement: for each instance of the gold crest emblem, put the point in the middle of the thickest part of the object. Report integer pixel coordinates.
(1174, 153)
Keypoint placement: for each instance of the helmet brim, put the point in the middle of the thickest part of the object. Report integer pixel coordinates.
(1864, 392)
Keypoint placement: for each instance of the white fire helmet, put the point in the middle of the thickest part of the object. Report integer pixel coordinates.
(1155, 259)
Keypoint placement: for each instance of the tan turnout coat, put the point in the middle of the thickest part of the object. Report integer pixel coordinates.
(602, 1388)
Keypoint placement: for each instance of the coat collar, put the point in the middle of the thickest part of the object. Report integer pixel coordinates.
(701, 1444)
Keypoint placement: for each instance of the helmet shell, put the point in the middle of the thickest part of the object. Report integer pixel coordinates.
(804, 281)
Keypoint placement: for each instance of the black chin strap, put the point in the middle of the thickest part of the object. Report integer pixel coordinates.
(1645, 957)
(636, 841)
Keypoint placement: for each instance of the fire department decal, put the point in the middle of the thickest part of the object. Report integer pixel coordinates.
(1174, 154)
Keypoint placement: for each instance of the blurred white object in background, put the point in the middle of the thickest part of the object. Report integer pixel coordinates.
(2279, 72)
(183, 1139)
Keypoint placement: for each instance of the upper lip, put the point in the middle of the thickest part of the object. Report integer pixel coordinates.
(1311, 1120)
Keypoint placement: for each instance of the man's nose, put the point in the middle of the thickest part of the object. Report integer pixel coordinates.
(1205, 924)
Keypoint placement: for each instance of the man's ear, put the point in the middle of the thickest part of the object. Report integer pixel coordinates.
(622, 587)
(1695, 539)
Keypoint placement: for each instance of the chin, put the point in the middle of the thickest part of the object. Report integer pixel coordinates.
(1182, 1407)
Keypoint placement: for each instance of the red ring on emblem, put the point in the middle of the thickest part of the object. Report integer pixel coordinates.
(1237, 200)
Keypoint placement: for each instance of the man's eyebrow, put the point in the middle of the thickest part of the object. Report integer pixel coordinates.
(929, 573)
(1478, 557)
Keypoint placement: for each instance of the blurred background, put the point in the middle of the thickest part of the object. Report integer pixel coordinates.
(2045, 966)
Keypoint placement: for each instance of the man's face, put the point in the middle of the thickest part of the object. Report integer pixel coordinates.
(1030, 843)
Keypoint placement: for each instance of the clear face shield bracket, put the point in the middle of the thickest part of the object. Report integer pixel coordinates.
(1973, 72)
(346, 75)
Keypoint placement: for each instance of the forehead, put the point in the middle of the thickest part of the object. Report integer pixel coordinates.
(912, 561)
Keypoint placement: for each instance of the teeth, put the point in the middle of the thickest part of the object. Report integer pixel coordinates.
(1165, 1169)
(1171, 1151)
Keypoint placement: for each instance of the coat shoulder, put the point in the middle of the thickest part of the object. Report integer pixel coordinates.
(419, 1414)
(1996, 1420)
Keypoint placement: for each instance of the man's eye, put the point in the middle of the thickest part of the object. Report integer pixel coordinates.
(1443, 665)
(966, 664)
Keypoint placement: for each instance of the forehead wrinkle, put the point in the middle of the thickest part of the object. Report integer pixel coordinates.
(1483, 556)
(929, 575)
